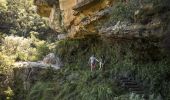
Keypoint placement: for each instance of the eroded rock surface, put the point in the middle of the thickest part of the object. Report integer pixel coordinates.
(3, 86)
(25, 78)
(72, 12)
(88, 17)
(52, 60)
(49, 61)
(61, 36)
(26, 74)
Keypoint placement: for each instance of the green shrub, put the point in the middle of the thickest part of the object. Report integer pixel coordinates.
(121, 58)
(15, 48)
(18, 48)
(42, 49)
(77, 85)
(124, 11)
(43, 91)
(3, 4)
(133, 96)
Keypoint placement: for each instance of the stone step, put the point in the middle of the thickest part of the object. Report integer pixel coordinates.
(130, 86)
(136, 89)
(130, 82)
(139, 92)
(126, 80)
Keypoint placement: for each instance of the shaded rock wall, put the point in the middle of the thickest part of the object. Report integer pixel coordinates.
(55, 19)
(26, 74)
(3, 86)
(51, 10)
(148, 21)
(24, 79)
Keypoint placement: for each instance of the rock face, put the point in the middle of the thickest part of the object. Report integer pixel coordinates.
(61, 36)
(55, 19)
(25, 77)
(3, 86)
(81, 17)
(49, 61)
(130, 31)
(53, 60)
(25, 74)
(149, 24)
(50, 9)
(83, 3)
(71, 14)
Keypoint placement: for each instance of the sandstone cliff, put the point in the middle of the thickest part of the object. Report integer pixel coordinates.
(76, 16)
(88, 17)
(113, 19)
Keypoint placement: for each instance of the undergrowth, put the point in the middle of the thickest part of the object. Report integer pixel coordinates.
(75, 81)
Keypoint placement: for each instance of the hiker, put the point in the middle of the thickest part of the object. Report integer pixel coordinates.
(101, 62)
(92, 62)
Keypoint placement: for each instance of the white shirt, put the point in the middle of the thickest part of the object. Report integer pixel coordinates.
(92, 59)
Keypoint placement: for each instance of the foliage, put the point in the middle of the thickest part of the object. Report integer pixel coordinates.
(9, 93)
(133, 96)
(15, 48)
(80, 85)
(42, 46)
(124, 11)
(76, 82)
(3, 4)
(43, 91)
(20, 19)
(121, 58)
(139, 58)
(18, 47)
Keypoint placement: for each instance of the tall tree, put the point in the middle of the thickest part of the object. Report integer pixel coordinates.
(20, 18)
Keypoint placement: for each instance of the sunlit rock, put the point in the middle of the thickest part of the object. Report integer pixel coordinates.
(25, 74)
(52, 60)
(70, 15)
(49, 61)
(61, 36)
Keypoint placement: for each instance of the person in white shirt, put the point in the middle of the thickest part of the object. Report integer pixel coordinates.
(92, 62)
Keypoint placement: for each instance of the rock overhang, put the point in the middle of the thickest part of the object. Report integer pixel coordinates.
(44, 7)
(46, 2)
(83, 4)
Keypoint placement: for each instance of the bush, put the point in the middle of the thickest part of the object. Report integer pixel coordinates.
(77, 85)
(121, 57)
(42, 49)
(43, 91)
(18, 48)
(15, 48)
(133, 96)
(124, 11)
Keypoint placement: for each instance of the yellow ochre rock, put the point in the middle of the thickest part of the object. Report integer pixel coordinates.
(75, 16)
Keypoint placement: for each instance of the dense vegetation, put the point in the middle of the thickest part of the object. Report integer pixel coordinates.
(75, 81)
(21, 37)
(25, 36)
